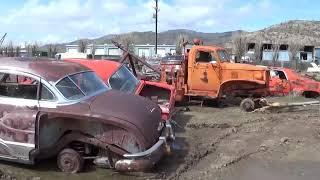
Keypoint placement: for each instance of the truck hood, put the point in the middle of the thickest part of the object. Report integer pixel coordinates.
(138, 111)
(238, 66)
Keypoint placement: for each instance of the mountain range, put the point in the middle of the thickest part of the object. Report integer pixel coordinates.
(306, 32)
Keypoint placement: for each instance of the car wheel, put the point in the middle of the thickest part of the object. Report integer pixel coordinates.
(247, 105)
(70, 161)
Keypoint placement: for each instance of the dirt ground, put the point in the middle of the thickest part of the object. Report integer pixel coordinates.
(223, 143)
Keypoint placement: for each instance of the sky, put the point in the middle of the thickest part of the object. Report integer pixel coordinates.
(54, 21)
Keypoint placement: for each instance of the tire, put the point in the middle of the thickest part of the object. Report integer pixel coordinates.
(70, 161)
(247, 105)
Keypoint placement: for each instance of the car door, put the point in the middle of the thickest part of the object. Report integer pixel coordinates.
(204, 74)
(18, 112)
(279, 83)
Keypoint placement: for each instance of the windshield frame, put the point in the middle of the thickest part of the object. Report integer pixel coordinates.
(123, 66)
(85, 96)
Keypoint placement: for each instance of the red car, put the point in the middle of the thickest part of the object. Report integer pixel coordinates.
(284, 81)
(119, 77)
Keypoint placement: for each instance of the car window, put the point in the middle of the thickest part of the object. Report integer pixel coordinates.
(81, 84)
(88, 82)
(279, 74)
(69, 89)
(46, 94)
(17, 86)
(123, 80)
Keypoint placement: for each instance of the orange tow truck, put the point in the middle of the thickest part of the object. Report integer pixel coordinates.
(208, 72)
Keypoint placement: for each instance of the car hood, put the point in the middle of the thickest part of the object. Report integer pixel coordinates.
(139, 111)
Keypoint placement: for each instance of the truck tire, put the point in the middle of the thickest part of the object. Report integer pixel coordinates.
(70, 161)
(247, 105)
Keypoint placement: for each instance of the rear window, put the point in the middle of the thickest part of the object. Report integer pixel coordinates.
(69, 89)
(80, 85)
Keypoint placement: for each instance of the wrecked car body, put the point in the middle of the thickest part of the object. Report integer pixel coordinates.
(53, 108)
(118, 77)
(284, 81)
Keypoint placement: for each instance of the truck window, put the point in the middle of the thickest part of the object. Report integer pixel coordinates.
(223, 55)
(279, 74)
(205, 57)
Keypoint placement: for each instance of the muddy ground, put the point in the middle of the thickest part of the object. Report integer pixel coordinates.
(223, 143)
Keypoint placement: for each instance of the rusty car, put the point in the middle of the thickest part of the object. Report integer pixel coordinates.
(285, 81)
(119, 77)
(64, 110)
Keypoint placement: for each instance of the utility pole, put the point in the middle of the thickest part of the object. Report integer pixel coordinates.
(155, 16)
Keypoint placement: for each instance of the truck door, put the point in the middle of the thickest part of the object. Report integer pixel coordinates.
(204, 75)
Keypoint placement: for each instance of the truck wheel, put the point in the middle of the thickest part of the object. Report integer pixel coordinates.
(247, 105)
(70, 161)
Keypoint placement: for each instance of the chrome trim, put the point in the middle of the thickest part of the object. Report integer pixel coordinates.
(154, 148)
(167, 135)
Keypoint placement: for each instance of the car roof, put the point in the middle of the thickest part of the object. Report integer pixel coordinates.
(48, 69)
(103, 68)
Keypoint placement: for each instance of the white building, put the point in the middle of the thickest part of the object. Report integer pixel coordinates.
(106, 50)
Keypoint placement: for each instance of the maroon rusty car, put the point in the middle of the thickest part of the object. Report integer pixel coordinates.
(54, 108)
(119, 77)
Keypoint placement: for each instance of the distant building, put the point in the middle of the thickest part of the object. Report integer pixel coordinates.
(307, 53)
(109, 50)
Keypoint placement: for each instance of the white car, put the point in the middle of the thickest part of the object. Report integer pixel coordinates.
(314, 69)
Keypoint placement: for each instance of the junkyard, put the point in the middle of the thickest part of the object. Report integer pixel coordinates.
(160, 104)
(278, 144)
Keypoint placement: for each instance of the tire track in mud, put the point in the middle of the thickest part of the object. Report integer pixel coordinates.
(193, 159)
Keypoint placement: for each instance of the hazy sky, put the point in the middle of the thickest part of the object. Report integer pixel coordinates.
(65, 20)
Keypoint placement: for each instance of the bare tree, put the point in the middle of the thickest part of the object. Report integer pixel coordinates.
(34, 49)
(93, 50)
(275, 46)
(6, 51)
(240, 44)
(294, 48)
(182, 38)
(49, 48)
(82, 45)
(258, 48)
(27, 46)
(127, 41)
(17, 51)
(10, 49)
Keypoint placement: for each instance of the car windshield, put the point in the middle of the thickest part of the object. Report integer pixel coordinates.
(223, 55)
(79, 85)
(123, 80)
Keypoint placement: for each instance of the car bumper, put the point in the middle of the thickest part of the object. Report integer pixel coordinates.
(145, 160)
